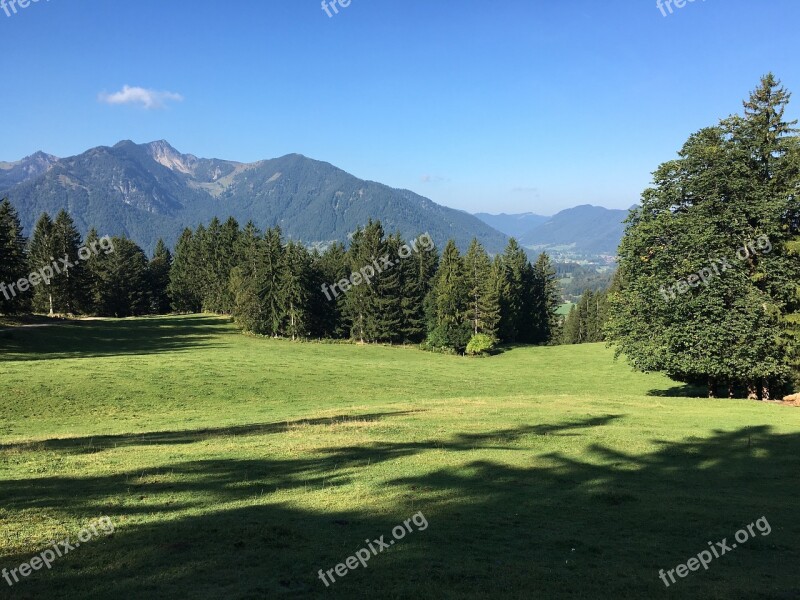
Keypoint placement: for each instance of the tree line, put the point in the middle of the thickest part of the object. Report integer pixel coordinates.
(57, 272)
(281, 288)
(276, 287)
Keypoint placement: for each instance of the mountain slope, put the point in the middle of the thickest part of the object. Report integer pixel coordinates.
(147, 191)
(584, 229)
(513, 225)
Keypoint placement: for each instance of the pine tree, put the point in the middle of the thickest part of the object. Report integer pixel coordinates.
(478, 276)
(68, 285)
(545, 298)
(13, 261)
(328, 306)
(247, 280)
(270, 295)
(515, 302)
(389, 288)
(361, 304)
(94, 262)
(158, 275)
(417, 275)
(294, 290)
(123, 281)
(41, 249)
(450, 302)
(184, 280)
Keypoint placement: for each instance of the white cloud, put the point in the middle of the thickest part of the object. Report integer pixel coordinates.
(147, 99)
(432, 179)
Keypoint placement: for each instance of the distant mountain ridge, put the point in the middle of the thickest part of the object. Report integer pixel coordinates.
(151, 191)
(585, 229)
(514, 225)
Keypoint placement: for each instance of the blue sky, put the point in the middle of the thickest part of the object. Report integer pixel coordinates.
(508, 106)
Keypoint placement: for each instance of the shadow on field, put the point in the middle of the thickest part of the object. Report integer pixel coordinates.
(107, 337)
(685, 390)
(597, 527)
(96, 443)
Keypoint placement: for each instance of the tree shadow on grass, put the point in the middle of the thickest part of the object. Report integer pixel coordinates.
(596, 523)
(97, 443)
(684, 390)
(108, 337)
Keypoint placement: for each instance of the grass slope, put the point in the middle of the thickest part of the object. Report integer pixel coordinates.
(237, 467)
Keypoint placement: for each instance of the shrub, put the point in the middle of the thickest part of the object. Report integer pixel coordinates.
(480, 343)
(448, 336)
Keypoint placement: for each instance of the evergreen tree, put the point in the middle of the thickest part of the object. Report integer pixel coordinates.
(295, 290)
(327, 312)
(40, 258)
(586, 320)
(158, 275)
(544, 299)
(417, 275)
(13, 261)
(515, 301)
(123, 281)
(94, 295)
(270, 294)
(69, 284)
(247, 280)
(389, 288)
(361, 304)
(450, 302)
(184, 287)
(480, 290)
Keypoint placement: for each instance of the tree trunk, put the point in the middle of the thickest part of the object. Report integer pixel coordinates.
(730, 390)
(711, 391)
(752, 391)
(765, 392)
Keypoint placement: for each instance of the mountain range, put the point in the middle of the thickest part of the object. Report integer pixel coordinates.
(583, 230)
(151, 191)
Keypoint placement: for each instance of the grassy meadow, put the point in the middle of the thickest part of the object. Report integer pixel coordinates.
(236, 467)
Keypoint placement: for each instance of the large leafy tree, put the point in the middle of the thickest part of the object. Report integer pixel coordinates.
(718, 221)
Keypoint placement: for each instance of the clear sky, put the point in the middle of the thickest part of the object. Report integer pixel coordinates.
(504, 106)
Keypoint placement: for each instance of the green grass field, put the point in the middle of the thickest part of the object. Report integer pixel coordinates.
(236, 467)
